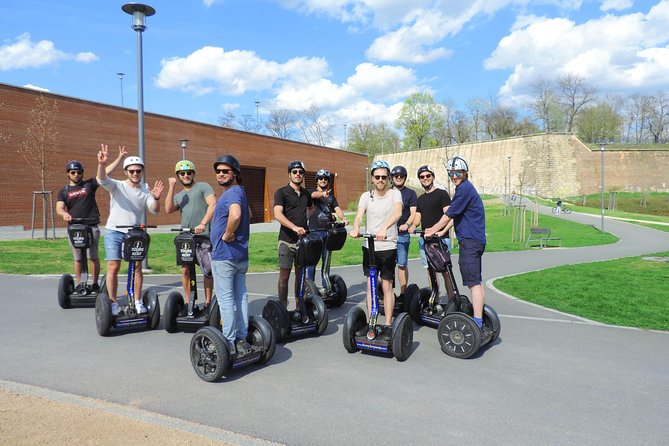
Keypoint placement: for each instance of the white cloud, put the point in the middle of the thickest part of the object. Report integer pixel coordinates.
(228, 107)
(383, 82)
(612, 52)
(35, 87)
(616, 5)
(23, 53)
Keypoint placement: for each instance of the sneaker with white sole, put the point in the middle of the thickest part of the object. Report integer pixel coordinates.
(139, 306)
(114, 309)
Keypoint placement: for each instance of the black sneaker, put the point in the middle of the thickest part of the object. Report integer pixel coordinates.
(485, 332)
(242, 346)
(387, 335)
(362, 331)
(95, 288)
(296, 317)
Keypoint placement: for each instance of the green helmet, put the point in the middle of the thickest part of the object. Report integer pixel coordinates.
(184, 165)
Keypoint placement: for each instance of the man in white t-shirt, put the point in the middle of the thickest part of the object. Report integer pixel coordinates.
(383, 208)
(127, 200)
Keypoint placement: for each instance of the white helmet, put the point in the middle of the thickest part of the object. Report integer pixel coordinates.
(457, 163)
(129, 161)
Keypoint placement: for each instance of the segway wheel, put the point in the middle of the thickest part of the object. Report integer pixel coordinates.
(317, 307)
(354, 321)
(402, 337)
(152, 304)
(214, 313)
(209, 354)
(173, 306)
(65, 289)
(103, 314)
(491, 320)
(261, 334)
(277, 315)
(415, 302)
(339, 291)
(459, 336)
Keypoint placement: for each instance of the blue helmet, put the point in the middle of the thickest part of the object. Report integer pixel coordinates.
(379, 164)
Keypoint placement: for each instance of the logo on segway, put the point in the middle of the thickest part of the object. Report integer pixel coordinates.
(137, 249)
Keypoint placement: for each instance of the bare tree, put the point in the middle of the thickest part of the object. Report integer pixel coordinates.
(476, 108)
(247, 122)
(41, 137)
(659, 117)
(282, 123)
(228, 120)
(315, 128)
(575, 94)
(545, 101)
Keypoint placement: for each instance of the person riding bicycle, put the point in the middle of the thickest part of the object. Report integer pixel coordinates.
(558, 205)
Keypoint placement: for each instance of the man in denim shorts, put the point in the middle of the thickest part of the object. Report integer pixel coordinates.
(409, 203)
(382, 207)
(291, 205)
(467, 212)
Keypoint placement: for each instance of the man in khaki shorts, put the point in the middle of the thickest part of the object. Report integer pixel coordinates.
(291, 204)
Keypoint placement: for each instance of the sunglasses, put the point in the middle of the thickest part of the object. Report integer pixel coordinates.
(297, 172)
(381, 177)
(456, 174)
(223, 171)
(399, 176)
(322, 179)
(134, 171)
(76, 172)
(425, 177)
(186, 172)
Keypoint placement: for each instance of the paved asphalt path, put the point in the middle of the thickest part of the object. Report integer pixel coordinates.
(549, 379)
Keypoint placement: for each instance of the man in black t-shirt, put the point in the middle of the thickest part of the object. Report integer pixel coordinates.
(77, 200)
(291, 204)
(431, 207)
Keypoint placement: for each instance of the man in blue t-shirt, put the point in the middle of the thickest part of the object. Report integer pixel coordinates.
(230, 228)
(409, 203)
(468, 215)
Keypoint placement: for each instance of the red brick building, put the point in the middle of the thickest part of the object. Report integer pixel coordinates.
(82, 126)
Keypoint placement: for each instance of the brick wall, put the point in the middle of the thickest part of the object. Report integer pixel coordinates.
(83, 125)
(548, 164)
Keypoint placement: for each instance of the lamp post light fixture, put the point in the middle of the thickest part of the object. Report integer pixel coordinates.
(184, 143)
(257, 118)
(120, 76)
(509, 174)
(345, 137)
(602, 148)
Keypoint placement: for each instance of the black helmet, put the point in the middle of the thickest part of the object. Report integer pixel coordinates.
(323, 174)
(74, 165)
(296, 164)
(423, 169)
(398, 170)
(230, 161)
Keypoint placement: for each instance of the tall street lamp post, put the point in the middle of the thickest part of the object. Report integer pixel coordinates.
(509, 158)
(602, 148)
(120, 76)
(345, 137)
(257, 118)
(184, 143)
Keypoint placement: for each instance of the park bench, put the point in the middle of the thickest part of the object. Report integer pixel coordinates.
(542, 236)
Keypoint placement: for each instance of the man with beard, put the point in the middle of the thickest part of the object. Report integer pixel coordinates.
(127, 200)
(431, 206)
(230, 229)
(291, 204)
(196, 202)
(77, 200)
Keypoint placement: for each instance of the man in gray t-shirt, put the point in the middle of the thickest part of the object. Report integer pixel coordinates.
(197, 203)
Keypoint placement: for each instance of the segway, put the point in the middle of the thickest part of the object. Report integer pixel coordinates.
(311, 317)
(396, 339)
(176, 315)
(134, 249)
(211, 358)
(452, 314)
(335, 292)
(81, 237)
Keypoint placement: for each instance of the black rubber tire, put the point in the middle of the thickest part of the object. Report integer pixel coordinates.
(214, 313)
(491, 320)
(317, 307)
(209, 354)
(355, 319)
(415, 302)
(339, 291)
(103, 314)
(173, 306)
(402, 337)
(261, 333)
(465, 306)
(277, 315)
(459, 336)
(65, 289)
(152, 304)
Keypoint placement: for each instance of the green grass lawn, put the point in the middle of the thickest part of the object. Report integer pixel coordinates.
(629, 292)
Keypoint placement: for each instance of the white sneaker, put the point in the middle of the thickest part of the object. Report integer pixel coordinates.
(139, 306)
(114, 309)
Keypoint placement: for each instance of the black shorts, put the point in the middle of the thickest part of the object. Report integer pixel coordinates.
(385, 263)
(469, 260)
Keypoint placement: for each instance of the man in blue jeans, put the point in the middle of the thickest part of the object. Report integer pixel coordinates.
(230, 228)
(467, 212)
(409, 203)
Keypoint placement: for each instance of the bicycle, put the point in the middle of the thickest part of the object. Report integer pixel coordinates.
(564, 209)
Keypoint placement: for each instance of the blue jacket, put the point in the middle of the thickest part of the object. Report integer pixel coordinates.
(468, 213)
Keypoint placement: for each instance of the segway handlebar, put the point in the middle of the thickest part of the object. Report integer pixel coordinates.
(84, 220)
(138, 226)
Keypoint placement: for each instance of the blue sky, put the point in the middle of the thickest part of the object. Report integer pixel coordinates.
(356, 60)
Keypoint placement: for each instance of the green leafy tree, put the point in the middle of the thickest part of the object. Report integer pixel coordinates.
(372, 138)
(598, 123)
(420, 119)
